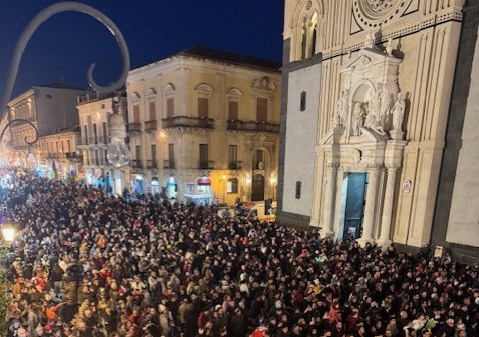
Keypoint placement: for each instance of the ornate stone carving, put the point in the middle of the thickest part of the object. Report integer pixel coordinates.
(376, 13)
(379, 6)
(398, 113)
(359, 115)
(341, 110)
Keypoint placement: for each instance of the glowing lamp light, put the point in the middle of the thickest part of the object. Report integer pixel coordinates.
(8, 232)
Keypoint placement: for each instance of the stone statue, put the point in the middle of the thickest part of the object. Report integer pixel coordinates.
(398, 113)
(358, 119)
(385, 108)
(376, 126)
(341, 110)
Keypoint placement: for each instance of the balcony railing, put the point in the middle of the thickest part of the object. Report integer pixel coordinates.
(189, 122)
(205, 165)
(52, 155)
(253, 126)
(152, 164)
(74, 156)
(150, 125)
(134, 127)
(137, 163)
(235, 165)
(93, 96)
(168, 164)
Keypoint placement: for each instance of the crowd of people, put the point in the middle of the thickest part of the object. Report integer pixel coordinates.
(85, 263)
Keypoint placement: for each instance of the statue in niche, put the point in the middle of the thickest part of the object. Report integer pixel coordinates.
(385, 108)
(358, 118)
(398, 113)
(376, 126)
(341, 110)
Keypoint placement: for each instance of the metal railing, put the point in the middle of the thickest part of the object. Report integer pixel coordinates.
(137, 163)
(152, 164)
(252, 126)
(205, 165)
(150, 125)
(187, 121)
(169, 164)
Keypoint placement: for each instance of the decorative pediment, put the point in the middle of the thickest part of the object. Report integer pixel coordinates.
(370, 90)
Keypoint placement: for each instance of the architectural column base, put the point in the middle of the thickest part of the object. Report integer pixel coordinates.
(396, 135)
(362, 241)
(384, 243)
(325, 232)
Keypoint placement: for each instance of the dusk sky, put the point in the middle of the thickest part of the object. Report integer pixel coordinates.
(64, 46)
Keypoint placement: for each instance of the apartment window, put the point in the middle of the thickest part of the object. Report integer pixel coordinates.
(170, 107)
(136, 113)
(97, 157)
(95, 134)
(298, 190)
(152, 109)
(138, 152)
(202, 107)
(105, 158)
(302, 103)
(105, 133)
(204, 156)
(232, 156)
(233, 111)
(153, 154)
(68, 146)
(232, 186)
(261, 109)
(85, 134)
(171, 155)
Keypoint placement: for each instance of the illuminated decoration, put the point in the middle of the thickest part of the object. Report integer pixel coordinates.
(118, 155)
(8, 232)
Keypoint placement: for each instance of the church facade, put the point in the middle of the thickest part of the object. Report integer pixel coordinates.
(367, 92)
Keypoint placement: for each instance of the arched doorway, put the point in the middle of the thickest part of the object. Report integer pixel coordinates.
(257, 188)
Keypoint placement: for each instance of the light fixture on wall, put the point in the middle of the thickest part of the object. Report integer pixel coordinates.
(118, 154)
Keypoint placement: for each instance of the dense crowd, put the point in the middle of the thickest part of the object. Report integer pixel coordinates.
(88, 264)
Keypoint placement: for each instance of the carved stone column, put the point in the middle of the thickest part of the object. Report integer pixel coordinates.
(371, 201)
(384, 240)
(328, 208)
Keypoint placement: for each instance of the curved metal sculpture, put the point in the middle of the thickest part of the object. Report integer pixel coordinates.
(20, 120)
(32, 27)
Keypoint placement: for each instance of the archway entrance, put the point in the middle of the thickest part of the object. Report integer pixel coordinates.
(355, 201)
(257, 188)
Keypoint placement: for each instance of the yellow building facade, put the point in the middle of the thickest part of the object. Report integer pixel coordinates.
(203, 127)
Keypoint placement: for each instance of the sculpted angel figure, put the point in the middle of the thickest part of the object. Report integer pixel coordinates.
(398, 112)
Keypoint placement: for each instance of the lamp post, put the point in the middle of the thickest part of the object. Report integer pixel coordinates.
(118, 154)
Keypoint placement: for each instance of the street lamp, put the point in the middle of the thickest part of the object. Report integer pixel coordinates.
(118, 154)
(8, 232)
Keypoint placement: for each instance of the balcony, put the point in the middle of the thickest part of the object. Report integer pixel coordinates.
(237, 165)
(97, 141)
(256, 126)
(152, 164)
(74, 156)
(150, 125)
(205, 165)
(187, 122)
(134, 127)
(52, 156)
(137, 163)
(169, 164)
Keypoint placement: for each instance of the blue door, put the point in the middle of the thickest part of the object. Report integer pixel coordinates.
(355, 200)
